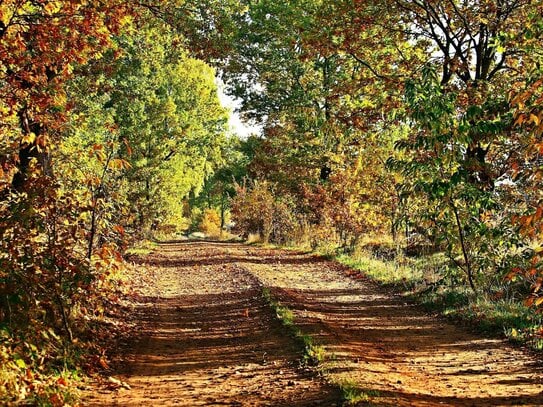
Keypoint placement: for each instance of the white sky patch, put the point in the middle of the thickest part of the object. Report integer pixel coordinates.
(237, 126)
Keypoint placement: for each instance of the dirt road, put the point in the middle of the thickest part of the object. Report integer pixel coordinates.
(205, 336)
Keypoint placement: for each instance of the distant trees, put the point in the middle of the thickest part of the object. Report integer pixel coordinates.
(166, 120)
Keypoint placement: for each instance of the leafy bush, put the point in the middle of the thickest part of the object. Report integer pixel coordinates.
(210, 223)
(256, 211)
(50, 287)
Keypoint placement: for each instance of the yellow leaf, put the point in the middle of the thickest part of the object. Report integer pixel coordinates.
(28, 138)
(52, 7)
(5, 15)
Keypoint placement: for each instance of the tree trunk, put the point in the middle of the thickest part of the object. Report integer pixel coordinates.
(467, 261)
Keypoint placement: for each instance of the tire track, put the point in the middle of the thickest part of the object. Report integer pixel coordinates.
(204, 337)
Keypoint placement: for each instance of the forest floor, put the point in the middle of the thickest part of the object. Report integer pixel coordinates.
(203, 334)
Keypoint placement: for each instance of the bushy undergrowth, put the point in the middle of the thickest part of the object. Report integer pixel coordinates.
(42, 368)
(353, 394)
(257, 213)
(54, 280)
(210, 224)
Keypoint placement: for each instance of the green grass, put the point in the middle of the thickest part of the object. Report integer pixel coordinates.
(353, 395)
(385, 272)
(513, 319)
(142, 248)
(313, 353)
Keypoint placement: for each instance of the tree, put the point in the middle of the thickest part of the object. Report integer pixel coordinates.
(166, 120)
(39, 50)
(45, 274)
(526, 102)
(320, 104)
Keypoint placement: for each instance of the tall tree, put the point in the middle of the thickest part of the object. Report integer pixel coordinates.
(159, 113)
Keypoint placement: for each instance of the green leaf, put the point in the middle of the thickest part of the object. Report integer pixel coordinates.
(20, 363)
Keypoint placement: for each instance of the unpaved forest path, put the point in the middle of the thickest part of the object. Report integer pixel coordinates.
(205, 336)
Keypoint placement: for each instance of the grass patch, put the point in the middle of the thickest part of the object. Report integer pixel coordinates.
(353, 395)
(313, 353)
(254, 238)
(142, 248)
(385, 272)
(513, 319)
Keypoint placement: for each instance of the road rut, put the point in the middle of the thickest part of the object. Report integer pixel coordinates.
(205, 336)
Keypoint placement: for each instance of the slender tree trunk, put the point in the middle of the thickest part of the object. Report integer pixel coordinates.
(53, 238)
(99, 191)
(223, 209)
(467, 261)
(92, 232)
(29, 151)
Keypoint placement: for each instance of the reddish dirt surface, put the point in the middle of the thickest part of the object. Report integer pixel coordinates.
(204, 336)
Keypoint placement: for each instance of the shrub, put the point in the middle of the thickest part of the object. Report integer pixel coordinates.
(255, 211)
(252, 210)
(210, 223)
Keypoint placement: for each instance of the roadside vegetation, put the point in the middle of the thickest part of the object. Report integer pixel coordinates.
(419, 168)
(313, 353)
(424, 279)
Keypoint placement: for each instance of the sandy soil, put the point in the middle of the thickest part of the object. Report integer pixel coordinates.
(204, 336)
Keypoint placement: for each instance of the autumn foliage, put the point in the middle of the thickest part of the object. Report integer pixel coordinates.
(418, 119)
(210, 224)
(421, 121)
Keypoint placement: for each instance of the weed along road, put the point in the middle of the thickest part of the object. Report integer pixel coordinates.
(204, 333)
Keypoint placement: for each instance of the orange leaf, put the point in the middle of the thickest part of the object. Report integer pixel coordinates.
(119, 229)
(539, 212)
(103, 363)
